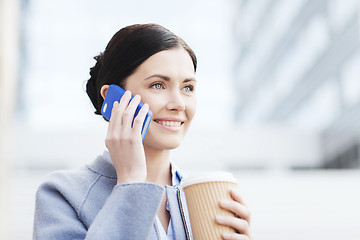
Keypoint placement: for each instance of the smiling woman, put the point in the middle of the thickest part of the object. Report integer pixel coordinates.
(120, 195)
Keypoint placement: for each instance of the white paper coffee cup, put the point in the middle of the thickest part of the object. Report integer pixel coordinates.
(203, 192)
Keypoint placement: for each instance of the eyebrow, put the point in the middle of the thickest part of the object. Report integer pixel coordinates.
(166, 78)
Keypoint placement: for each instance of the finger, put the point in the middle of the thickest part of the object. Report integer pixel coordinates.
(129, 112)
(124, 102)
(238, 224)
(112, 117)
(140, 118)
(237, 197)
(117, 112)
(234, 236)
(119, 107)
(237, 208)
(113, 110)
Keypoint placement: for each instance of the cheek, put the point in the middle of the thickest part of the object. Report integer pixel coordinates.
(152, 101)
(191, 108)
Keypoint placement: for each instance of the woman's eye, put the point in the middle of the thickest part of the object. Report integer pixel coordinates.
(188, 89)
(157, 86)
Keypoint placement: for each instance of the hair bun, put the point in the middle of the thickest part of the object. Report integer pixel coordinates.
(91, 84)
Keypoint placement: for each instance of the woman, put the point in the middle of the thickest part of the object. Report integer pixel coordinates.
(132, 191)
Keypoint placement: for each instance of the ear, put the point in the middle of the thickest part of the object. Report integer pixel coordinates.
(104, 90)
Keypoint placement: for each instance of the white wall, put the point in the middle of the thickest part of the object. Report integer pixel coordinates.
(9, 11)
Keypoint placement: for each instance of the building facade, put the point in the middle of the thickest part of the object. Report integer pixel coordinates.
(298, 64)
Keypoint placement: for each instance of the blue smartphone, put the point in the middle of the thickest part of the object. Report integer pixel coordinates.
(115, 93)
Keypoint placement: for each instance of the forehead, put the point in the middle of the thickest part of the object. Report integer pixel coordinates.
(174, 63)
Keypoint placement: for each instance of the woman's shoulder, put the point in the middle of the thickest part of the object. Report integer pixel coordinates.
(76, 184)
(85, 175)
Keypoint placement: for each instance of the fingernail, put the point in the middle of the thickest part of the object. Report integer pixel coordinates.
(219, 218)
(223, 203)
(225, 235)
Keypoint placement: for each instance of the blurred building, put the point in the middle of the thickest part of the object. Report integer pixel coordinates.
(298, 65)
(294, 92)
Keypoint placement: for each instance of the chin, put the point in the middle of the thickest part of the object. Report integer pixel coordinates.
(164, 143)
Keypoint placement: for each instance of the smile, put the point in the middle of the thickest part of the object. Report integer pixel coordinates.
(169, 123)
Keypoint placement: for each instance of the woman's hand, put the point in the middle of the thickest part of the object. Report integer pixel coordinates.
(241, 221)
(124, 141)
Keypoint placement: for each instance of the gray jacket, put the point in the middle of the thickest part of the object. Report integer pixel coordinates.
(86, 204)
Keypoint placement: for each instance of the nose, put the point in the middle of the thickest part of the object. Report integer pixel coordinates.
(176, 101)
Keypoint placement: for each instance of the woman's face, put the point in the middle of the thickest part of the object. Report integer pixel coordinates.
(166, 81)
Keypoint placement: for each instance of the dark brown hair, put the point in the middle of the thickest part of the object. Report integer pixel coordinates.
(126, 51)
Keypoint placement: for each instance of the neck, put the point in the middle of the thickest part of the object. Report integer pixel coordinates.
(158, 166)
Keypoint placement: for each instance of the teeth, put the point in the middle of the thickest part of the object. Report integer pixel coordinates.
(169, 123)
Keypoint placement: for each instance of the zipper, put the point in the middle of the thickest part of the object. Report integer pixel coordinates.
(182, 215)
